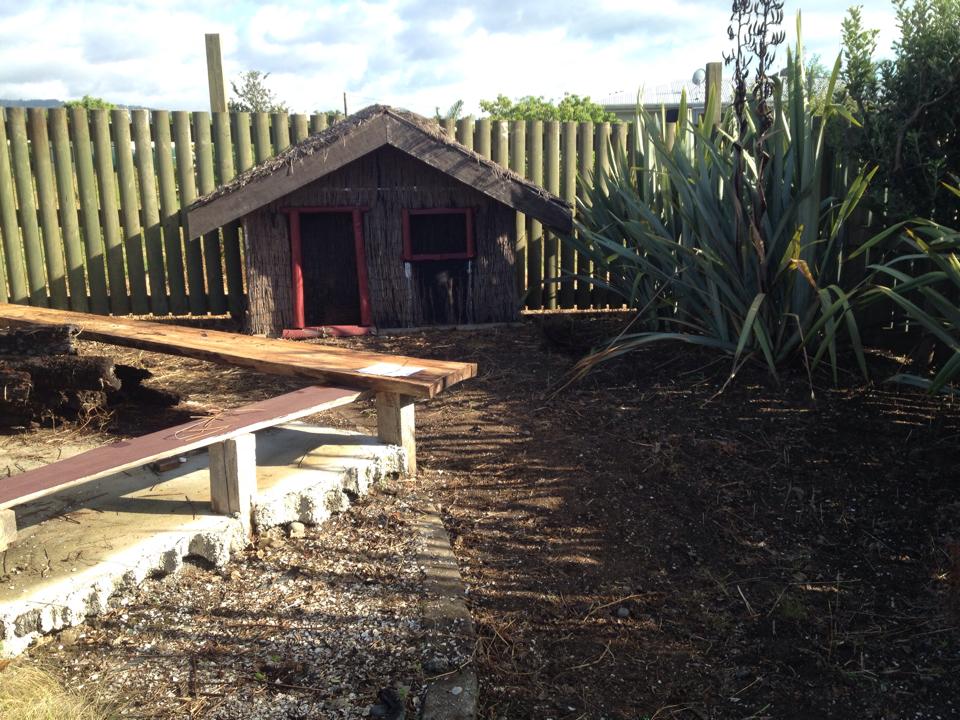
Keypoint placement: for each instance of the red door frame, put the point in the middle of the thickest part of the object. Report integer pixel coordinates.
(296, 260)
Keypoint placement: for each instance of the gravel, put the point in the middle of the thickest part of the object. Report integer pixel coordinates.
(310, 627)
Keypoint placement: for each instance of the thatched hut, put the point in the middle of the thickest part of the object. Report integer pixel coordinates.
(379, 221)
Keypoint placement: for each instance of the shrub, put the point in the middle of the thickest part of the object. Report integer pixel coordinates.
(907, 107)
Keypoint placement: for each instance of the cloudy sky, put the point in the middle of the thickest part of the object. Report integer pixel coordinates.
(417, 54)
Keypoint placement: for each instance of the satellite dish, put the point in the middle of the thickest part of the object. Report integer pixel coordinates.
(698, 77)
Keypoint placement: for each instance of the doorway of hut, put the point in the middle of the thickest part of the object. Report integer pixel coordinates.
(332, 268)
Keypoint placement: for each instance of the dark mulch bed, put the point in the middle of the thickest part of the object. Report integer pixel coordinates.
(641, 547)
(638, 546)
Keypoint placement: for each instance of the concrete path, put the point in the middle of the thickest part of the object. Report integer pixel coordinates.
(77, 548)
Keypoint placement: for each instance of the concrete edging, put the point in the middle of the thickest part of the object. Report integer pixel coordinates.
(311, 478)
(451, 692)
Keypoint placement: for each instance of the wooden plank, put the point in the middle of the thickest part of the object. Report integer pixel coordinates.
(518, 162)
(23, 180)
(278, 357)
(128, 454)
(231, 232)
(90, 219)
(16, 274)
(550, 245)
(585, 169)
(130, 212)
(261, 136)
(170, 214)
(566, 295)
(186, 182)
(396, 421)
(69, 222)
(534, 227)
(110, 212)
(233, 477)
(150, 212)
(212, 264)
(47, 201)
(280, 123)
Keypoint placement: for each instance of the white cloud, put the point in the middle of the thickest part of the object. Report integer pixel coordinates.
(403, 52)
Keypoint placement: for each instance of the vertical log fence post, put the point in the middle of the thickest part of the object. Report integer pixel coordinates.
(714, 88)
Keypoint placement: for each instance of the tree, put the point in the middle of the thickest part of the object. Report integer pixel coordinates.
(907, 107)
(570, 107)
(88, 102)
(253, 95)
(453, 112)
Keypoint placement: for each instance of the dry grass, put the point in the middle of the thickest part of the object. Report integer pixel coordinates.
(29, 692)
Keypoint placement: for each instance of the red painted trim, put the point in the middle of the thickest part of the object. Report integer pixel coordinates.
(439, 211)
(468, 214)
(407, 247)
(439, 256)
(471, 249)
(363, 280)
(296, 262)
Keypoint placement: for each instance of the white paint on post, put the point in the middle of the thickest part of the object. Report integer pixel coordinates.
(396, 423)
(233, 476)
(8, 528)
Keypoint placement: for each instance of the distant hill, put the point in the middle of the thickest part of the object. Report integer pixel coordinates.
(30, 103)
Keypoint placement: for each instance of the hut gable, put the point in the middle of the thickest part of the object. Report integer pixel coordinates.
(361, 134)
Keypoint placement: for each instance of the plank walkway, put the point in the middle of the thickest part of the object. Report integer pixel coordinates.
(127, 454)
(406, 376)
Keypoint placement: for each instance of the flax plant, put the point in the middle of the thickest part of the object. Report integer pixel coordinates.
(924, 282)
(723, 239)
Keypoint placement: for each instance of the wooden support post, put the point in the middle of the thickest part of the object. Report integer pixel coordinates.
(218, 90)
(233, 476)
(395, 425)
(8, 528)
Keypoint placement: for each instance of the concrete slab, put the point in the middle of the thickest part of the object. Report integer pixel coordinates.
(77, 548)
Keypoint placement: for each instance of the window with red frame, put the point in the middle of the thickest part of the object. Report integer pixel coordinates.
(438, 234)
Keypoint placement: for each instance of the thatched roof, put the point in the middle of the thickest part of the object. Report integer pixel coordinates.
(356, 136)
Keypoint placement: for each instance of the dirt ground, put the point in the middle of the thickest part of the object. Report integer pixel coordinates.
(640, 547)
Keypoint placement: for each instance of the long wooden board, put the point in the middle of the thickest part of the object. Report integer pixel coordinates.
(321, 363)
(127, 454)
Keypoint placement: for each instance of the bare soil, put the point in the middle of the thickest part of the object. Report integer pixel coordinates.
(640, 546)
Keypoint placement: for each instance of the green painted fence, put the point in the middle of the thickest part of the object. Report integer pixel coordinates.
(91, 203)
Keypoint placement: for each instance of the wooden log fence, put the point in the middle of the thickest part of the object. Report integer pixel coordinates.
(91, 203)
